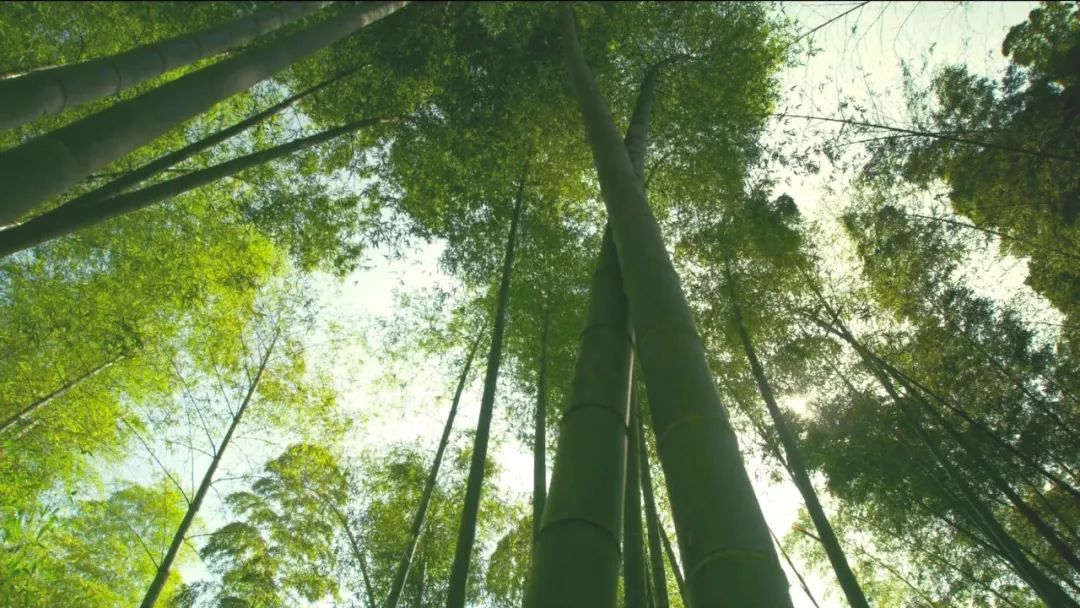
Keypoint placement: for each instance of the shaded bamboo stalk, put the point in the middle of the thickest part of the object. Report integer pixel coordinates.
(730, 560)
(49, 164)
(133, 178)
(70, 217)
(652, 520)
(577, 551)
(401, 573)
(459, 573)
(793, 459)
(53, 90)
(634, 580)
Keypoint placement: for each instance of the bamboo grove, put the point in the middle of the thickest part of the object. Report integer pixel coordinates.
(636, 306)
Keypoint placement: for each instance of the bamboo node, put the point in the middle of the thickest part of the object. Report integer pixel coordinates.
(730, 555)
(577, 407)
(671, 328)
(722, 417)
(616, 327)
(571, 520)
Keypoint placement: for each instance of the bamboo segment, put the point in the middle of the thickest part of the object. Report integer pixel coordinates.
(49, 164)
(52, 91)
(729, 556)
(577, 550)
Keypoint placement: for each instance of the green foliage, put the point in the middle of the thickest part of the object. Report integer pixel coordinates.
(1021, 185)
(71, 307)
(100, 553)
(509, 566)
(392, 483)
(280, 549)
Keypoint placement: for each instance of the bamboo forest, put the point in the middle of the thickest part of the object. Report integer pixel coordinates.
(539, 304)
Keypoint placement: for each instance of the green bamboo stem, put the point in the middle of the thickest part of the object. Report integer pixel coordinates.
(48, 165)
(459, 573)
(401, 573)
(730, 559)
(634, 580)
(162, 574)
(71, 217)
(576, 552)
(51, 91)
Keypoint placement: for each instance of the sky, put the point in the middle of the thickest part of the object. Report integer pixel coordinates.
(859, 59)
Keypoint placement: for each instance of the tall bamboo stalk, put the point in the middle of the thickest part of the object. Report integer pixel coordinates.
(165, 566)
(730, 559)
(563, 579)
(459, 573)
(680, 582)
(401, 573)
(358, 556)
(634, 580)
(793, 458)
(72, 217)
(981, 514)
(576, 552)
(915, 387)
(652, 519)
(152, 168)
(51, 91)
(49, 164)
(540, 427)
(1044, 529)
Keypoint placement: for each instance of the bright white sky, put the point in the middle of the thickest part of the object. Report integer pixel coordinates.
(860, 58)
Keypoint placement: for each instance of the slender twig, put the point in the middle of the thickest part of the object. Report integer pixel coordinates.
(153, 455)
(814, 30)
